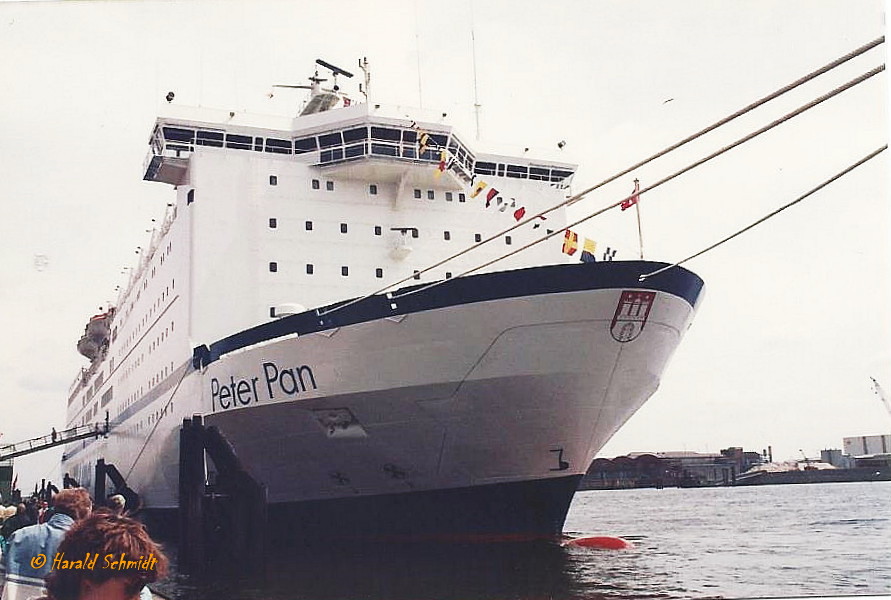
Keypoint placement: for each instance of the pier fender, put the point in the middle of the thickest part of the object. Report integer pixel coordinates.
(601, 542)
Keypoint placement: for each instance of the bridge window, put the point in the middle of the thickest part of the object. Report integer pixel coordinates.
(557, 175)
(175, 134)
(354, 135)
(517, 171)
(539, 174)
(209, 138)
(305, 145)
(278, 146)
(484, 168)
(240, 142)
(330, 139)
(383, 133)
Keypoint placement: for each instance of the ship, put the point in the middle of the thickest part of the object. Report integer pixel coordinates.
(335, 293)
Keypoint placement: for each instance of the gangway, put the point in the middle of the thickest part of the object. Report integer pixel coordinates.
(51, 440)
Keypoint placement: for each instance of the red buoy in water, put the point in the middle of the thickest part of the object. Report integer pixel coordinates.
(603, 542)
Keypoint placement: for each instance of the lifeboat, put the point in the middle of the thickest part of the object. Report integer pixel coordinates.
(95, 336)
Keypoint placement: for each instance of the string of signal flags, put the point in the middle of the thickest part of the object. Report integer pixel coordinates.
(571, 239)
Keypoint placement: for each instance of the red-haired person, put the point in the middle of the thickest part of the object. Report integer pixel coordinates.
(105, 557)
(29, 556)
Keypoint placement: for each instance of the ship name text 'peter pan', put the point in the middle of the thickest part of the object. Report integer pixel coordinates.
(452, 404)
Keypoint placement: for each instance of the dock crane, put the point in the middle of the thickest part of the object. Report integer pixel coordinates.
(881, 394)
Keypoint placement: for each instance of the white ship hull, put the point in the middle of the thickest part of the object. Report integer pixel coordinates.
(473, 407)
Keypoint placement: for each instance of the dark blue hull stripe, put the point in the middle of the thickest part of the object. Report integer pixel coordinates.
(518, 283)
(516, 511)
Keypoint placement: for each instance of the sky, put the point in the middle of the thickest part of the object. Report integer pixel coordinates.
(795, 317)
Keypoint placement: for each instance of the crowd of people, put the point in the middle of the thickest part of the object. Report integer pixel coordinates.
(68, 548)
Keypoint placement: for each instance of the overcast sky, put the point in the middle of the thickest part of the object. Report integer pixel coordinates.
(796, 314)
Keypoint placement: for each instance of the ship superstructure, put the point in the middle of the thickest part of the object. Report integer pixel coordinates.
(473, 405)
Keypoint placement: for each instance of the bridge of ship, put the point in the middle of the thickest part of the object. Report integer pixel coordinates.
(371, 150)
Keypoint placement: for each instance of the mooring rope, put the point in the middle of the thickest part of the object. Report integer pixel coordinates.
(691, 166)
(814, 190)
(576, 197)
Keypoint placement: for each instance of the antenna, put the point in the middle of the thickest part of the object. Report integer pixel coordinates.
(476, 97)
(363, 64)
(332, 68)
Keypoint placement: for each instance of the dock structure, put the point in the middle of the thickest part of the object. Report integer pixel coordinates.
(51, 440)
(231, 514)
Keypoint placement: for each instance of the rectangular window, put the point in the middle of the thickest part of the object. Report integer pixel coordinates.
(309, 269)
(417, 193)
(309, 225)
(239, 142)
(386, 134)
(315, 184)
(446, 235)
(508, 240)
(477, 237)
(517, 171)
(379, 273)
(329, 185)
(539, 173)
(271, 312)
(484, 168)
(461, 197)
(273, 267)
(430, 195)
(414, 232)
(305, 145)
(175, 134)
(343, 228)
(330, 139)
(345, 271)
(448, 196)
(273, 180)
(384, 149)
(273, 223)
(378, 230)
(355, 135)
(278, 146)
(372, 189)
(209, 138)
(448, 274)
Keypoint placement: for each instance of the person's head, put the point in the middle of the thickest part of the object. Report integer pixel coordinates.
(117, 503)
(127, 560)
(21, 508)
(75, 503)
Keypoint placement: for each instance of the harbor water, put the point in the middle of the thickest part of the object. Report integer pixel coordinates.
(748, 542)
